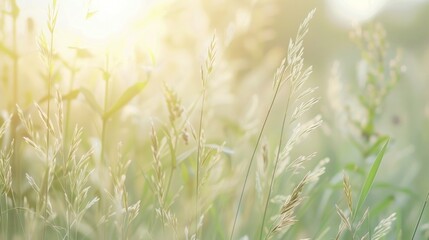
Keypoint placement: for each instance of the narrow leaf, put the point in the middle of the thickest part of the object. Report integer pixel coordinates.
(376, 145)
(420, 217)
(71, 95)
(91, 100)
(66, 97)
(126, 97)
(90, 14)
(370, 178)
(7, 51)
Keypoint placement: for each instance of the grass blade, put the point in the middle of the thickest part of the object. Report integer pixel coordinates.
(370, 178)
(8, 52)
(126, 97)
(73, 94)
(420, 217)
(90, 98)
(375, 146)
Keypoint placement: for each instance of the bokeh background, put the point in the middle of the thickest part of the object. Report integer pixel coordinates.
(166, 41)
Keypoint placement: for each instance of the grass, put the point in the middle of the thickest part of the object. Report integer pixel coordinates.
(160, 143)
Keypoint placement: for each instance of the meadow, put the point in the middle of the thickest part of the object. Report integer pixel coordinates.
(214, 119)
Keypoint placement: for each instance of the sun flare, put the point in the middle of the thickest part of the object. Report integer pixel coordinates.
(346, 11)
(101, 19)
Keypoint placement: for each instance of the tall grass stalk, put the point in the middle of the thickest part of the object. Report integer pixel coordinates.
(106, 78)
(276, 163)
(175, 111)
(205, 74)
(73, 72)
(48, 54)
(296, 78)
(289, 69)
(420, 217)
(103, 160)
(199, 150)
(252, 158)
(173, 162)
(15, 158)
(5, 179)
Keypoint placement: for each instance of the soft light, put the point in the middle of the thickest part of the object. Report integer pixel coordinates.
(346, 12)
(102, 19)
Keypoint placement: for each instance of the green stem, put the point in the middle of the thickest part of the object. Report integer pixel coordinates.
(173, 159)
(68, 110)
(16, 159)
(103, 136)
(5, 224)
(106, 104)
(275, 165)
(252, 158)
(199, 150)
(420, 217)
(48, 120)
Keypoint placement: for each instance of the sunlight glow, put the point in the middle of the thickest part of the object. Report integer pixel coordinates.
(102, 19)
(356, 11)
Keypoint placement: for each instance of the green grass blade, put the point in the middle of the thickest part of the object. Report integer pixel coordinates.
(90, 98)
(376, 145)
(8, 52)
(370, 178)
(126, 97)
(73, 94)
(420, 217)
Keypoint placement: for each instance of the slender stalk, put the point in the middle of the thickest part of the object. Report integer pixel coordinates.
(199, 151)
(205, 73)
(14, 124)
(65, 141)
(103, 135)
(106, 77)
(106, 105)
(16, 159)
(4, 224)
(420, 217)
(276, 163)
(173, 158)
(66, 136)
(252, 158)
(52, 18)
(48, 120)
(68, 106)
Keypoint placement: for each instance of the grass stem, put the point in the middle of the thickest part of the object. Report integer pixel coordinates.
(252, 158)
(276, 163)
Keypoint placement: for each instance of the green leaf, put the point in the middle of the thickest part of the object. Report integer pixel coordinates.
(91, 100)
(71, 95)
(90, 14)
(82, 52)
(420, 217)
(7, 51)
(370, 178)
(126, 97)
(66, 97)
(376, 146)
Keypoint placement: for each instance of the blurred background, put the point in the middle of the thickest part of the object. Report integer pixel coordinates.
(166, 41)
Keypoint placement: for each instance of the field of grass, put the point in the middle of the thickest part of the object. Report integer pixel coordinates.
(214, 119)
